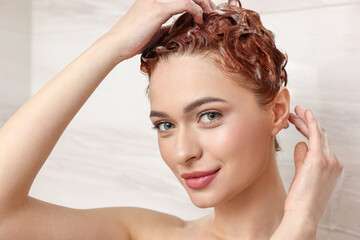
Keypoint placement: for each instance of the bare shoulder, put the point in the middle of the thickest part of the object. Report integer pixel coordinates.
(43, 220)
(150, 224)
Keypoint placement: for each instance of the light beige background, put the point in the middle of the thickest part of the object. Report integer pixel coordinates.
(108, 156)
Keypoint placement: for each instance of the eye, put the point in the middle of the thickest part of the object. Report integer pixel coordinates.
(163, 126)
(209, 116)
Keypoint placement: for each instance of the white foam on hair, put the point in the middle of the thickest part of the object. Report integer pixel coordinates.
(160, 47)
(218, 11)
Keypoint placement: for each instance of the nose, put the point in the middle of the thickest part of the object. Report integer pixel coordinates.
(187, 146)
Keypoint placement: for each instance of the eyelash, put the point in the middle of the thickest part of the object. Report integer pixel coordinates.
(157, 124)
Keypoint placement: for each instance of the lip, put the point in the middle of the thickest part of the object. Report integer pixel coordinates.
(198, 174)
(203, 179)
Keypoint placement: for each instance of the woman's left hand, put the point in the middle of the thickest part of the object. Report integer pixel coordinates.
(317, 169)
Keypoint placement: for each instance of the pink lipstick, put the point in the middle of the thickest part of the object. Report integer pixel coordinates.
(199, 179)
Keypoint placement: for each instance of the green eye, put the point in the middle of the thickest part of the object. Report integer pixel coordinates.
(209, 116)
(163, 126)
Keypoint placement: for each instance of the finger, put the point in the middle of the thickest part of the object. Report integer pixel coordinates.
(180, 6)
(213, 5)
(299, 124)
(204, 4)
(300, 111)
(185, 5)
(329, 154)
(325, 141)
(340, 164)
(315, 136)
(156, 37)
(299, 155)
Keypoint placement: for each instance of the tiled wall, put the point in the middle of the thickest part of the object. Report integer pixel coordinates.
(108, 156)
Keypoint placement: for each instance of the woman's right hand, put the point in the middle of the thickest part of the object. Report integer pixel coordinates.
(141, 25)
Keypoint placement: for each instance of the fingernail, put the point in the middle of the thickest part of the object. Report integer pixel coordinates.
(309, 113)
(301, 107)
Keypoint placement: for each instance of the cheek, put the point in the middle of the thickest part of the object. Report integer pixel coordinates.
(242, 145)
(237, 137)
(166, 152)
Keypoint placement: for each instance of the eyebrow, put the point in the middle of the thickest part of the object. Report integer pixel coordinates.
(190, 107)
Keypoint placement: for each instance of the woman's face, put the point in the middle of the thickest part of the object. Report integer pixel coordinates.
(207, 122)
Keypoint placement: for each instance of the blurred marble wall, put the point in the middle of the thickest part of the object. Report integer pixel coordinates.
(15, 48)
(108, 156)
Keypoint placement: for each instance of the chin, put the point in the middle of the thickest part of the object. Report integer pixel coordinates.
(203, 204)
(207, 198)
(203, 199)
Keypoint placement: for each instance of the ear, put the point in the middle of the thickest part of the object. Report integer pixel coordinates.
(280, 110)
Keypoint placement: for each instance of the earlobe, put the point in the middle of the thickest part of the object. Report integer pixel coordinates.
(280, 109)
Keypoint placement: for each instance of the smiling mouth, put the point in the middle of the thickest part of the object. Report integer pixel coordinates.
(198, 174)
(202, 181)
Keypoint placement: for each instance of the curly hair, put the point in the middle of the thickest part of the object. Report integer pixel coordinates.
(237, 42)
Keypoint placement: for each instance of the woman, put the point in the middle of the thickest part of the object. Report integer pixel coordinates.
(217, 124)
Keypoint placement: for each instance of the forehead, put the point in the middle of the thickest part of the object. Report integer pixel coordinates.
(182, 79)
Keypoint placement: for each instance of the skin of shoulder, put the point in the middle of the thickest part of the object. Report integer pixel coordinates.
(150, 224)
(159, 225)
(43, 220)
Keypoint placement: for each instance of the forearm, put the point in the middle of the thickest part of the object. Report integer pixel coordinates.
(29, 136)
(295, 227)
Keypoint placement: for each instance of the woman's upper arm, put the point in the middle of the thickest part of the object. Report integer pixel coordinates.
(43, 220)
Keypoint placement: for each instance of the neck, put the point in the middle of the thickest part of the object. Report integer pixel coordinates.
(255, 213)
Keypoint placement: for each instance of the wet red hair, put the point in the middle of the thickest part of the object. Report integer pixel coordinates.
(237, 42)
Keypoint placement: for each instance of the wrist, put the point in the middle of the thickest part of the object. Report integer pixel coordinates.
(302, 222)
(296, 226)
(305, 215)
(110, 48)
